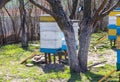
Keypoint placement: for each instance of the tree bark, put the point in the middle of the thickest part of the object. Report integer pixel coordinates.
(85, 36)
(72, 53)
(23, 21)
(67, 28)
(1, 33)
(84, 41)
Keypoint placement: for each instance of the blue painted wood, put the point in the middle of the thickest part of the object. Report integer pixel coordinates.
(118, 8)
(48, 50)
(112, 37)
(118, 56)
(118, 30)
(112, 26)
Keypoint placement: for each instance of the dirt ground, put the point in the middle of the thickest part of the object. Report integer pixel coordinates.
(108, 57)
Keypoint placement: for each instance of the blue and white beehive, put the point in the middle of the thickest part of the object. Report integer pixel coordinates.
(118, 41)
(112, 28)
(52, 39)
(114, 32)
(50, 35)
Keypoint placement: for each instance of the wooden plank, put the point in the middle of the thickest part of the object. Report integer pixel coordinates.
(27, 58)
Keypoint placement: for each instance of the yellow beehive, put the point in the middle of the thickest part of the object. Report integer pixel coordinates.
(112, 16)
(113, 13)
(47, 18)
(118, 20)
(112, 32)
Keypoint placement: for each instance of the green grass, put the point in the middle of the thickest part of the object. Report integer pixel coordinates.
(12, 71)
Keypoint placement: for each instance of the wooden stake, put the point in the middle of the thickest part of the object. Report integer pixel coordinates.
(49, 57)
(107, 76)
(65, 54)
(46, 58)
(60, 57)
(54, 58)
(114, 42)
(110, 42)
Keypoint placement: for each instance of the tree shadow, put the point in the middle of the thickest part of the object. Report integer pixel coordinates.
(92, 77)
(74, 77)
(49, 68)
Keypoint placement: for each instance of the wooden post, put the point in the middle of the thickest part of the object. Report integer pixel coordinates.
(46, 58)
(101, 80)
(110, 42)
(65, 54)
(54, 58)
(59, 56)
(114, 42)
(49, 57)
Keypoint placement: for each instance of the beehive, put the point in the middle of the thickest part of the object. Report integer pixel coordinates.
(50, 35)
(112, 32)
(52, 38)
(118, 39)
(118, 20)
(112, 17)
(112, 24)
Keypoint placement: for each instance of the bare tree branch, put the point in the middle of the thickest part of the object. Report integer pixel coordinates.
(100, 8)
(108, 4)
(74, 7)
(110, 9)
(42, 7)
(48, 1)
(104, 10)
(3, 2)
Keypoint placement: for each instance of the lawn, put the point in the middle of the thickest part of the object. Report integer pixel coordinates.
(12, 71)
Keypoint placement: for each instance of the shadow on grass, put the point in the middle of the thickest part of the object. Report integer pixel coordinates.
(89, 77)
(74, 77)
(49, 68)
(92, 77)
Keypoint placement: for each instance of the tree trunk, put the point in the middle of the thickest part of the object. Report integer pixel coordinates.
(1, 33)
(67, 29)
(72, 53)
(24, 34)
(23, 21)
(85, 37)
